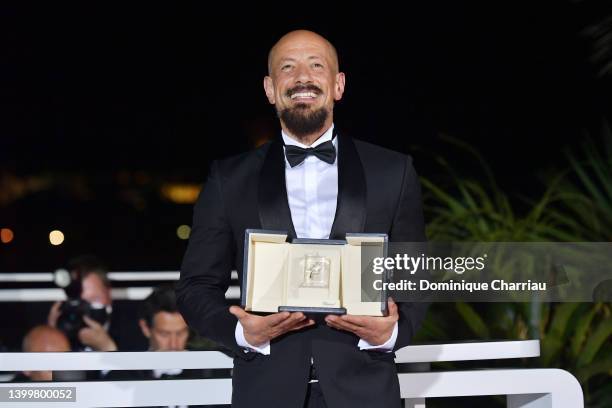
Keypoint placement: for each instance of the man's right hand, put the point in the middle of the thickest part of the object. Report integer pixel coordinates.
(259, 330)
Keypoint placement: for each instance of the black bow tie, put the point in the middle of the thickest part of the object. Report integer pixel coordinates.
(325, 151)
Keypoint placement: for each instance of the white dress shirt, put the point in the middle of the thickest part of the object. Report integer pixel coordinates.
(312, 192)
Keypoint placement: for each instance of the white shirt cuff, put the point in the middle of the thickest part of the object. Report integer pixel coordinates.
(242, 342)
(386, 346)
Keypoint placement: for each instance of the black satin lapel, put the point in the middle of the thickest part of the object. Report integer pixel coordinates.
(274, 213)
(351, 207)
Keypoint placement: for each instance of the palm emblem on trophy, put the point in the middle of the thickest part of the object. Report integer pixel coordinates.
(316, 271)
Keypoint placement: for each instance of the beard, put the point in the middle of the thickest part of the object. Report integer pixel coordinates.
(301, 121)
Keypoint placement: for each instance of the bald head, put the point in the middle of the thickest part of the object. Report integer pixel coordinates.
(300, 38)
(45, 339)
(303, 84)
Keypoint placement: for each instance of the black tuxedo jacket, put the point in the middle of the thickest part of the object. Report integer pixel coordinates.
(378, 192)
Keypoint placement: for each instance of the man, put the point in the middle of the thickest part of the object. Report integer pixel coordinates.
(38, 340)
(341, 186)
(161, 323)
(164, 327)
(96, 290)
(119, 331)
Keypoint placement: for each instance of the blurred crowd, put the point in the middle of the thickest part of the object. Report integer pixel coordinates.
(85, 322)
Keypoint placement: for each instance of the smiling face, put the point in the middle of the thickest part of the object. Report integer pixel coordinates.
(303, 83)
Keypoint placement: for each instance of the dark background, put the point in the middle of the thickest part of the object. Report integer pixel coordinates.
(106, 106)
(102, 105)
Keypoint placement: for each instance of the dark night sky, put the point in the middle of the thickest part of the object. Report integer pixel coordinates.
(88, 91)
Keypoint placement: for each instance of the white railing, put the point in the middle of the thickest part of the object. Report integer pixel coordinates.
(128, 293)
(526, 388)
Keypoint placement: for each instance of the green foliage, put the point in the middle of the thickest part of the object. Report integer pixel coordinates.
(575, 206)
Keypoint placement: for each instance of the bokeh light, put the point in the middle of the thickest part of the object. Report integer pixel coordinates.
(56, 237)
(6, 235)
(183, 231)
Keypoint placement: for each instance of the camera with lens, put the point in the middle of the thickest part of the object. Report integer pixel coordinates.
(70, 321)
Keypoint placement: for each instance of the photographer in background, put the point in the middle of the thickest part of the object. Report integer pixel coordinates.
(85, 316)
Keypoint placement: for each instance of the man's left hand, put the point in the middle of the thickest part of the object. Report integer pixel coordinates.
(373, 329)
